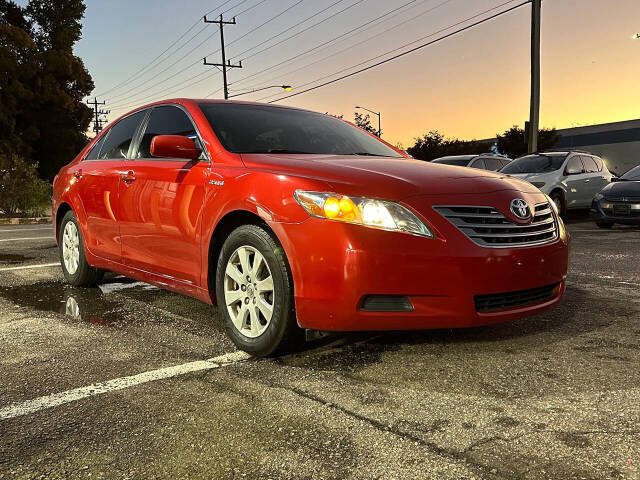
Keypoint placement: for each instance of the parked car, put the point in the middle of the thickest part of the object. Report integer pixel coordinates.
(618, 202)
(485, 161)
(290, 219)
(571, 179)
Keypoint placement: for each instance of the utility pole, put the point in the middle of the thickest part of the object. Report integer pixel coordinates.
(97, 121)
(225, 63)
(534, 114)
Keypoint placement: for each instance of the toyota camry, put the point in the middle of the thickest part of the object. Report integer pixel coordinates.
(289, 219)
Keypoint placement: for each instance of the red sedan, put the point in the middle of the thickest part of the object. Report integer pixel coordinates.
(290, 219)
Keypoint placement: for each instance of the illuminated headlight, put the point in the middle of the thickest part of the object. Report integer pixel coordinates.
(362, 211)
(598, 197)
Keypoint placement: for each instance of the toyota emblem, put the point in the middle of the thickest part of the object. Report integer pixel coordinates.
(520, 209)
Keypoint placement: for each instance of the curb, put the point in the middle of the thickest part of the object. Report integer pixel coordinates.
(24, 221)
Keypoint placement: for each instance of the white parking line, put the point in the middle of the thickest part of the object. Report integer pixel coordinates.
(57, 399)
(26, 267)
(50, 237)
(9, 230)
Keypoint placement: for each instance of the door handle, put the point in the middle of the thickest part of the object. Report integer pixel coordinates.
(78, 174)
(129, 177)
(587, 181)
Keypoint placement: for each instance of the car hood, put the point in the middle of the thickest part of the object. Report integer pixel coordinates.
(384, 177)
(532, 176)
(626, 188)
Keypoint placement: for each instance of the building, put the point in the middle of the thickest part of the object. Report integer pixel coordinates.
(618, 143)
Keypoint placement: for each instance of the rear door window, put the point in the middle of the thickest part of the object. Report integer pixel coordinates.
(118, 141)
(598, 163)
(166, 120)
(589, 164)
(492, 164)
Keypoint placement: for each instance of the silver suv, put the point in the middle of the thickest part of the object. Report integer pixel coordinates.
(484, 161)
(571, 179)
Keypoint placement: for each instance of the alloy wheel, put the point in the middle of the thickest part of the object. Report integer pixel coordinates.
(71, 247)
(249, 291)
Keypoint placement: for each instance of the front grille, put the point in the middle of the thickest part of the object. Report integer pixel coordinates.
(622, 210)
(509, 300)
(487, 227)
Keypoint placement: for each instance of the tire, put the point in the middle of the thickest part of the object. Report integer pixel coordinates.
(606, 225)
(244, 304)
(558, 199)
(75, 267)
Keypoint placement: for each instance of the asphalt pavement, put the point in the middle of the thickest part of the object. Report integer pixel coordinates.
(129, 381)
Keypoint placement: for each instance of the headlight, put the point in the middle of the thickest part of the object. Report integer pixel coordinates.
(363, 211)
(598, 197)
(538, 184)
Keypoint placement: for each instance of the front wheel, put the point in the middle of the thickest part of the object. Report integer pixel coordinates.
(558, 199)
(254, 292)
(75, 267)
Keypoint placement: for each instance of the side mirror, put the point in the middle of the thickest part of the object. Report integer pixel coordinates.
(174, 146)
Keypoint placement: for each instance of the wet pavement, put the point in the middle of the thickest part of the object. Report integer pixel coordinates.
(553, 396)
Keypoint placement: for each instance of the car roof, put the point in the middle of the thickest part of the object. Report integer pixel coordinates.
(456, 157)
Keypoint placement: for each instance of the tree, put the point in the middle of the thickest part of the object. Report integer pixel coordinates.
(364, 122)
(434, 145)
(513, 143)
(42, 113)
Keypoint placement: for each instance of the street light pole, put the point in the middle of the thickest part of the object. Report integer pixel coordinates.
(534, 113)
(284, 87)
(379, 119)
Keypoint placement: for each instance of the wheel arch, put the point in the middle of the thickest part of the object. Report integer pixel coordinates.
(563, 195)
(229, 222)
(62, 210)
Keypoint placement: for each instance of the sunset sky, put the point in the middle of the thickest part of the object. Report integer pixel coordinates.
(472, 85)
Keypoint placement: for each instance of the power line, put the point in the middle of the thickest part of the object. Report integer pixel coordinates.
(419, 47)
(484, 12)
(295, 34)
(144, 68)
(365, 40)
(127, 95)
(326, 43)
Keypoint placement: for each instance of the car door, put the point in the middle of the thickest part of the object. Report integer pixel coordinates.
(593, 181)
(161, 201)
(576, 186)
(97, 178)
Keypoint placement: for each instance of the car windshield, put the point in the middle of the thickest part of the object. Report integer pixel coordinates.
(540, 163)
(459, 161)
(243, 128)
(633, 174)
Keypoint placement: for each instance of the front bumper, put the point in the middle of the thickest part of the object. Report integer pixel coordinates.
(600, 214)
(335, 265)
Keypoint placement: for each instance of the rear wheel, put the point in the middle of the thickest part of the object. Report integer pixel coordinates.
(75, 267)
(254, 291)
(602, 224)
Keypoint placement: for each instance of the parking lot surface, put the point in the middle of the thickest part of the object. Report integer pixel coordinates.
(129, 381)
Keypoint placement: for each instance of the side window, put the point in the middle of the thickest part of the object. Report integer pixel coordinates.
(167, 120)
(598, 163)
(119, 137)
(575, 163)
(505, 162)
(493, 164)
(477, 163)
(95, 150)
(589, 164)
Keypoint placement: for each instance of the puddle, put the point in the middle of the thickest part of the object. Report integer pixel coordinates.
(82, 304)
(13, 258)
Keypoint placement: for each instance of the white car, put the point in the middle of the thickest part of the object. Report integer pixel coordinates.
(571, 179)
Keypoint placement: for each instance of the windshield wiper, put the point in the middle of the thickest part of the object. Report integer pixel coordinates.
(280, 150)
(364, 154)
